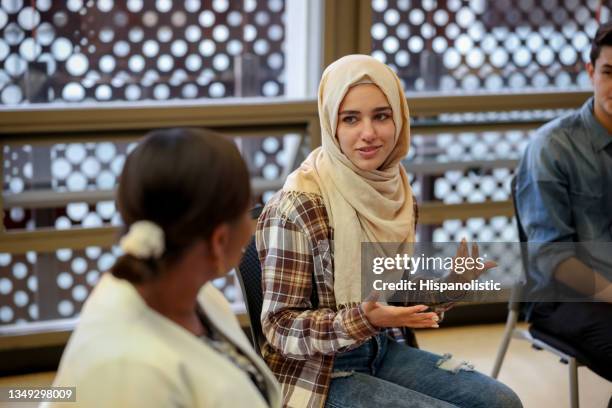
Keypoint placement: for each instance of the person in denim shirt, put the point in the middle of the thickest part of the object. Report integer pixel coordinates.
(564, 195)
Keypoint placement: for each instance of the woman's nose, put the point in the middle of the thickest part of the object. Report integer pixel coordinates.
(368, 132)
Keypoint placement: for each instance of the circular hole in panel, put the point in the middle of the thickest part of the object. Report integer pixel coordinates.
(79, 293)
(107, 64)
(178, 48)
(164, 34)
(262, 18)
(378, 31)
(189, 91)
(271, 88)
(161, 92)
(11, 95)
(6, 286)
(16, 185)
(14, 65)
(234, 47)
(106, 35)
(220, 6)
(6, 314)
(207, 48)
(165, 63)
(60, 168)
(149, 19)
(65, 308)
(28, 18)
(391, 17)
(250, 32)
(73, 92)
(150, 48)
(92, 277)
(79, 265)
(216, 90)
(76, 182)
(64, 280)
(20, 298)
(206, 18)
(105, 262)
(60, 19)
(193, 62)
(105, 180)
(121, 48)
(106, 209)
(13, 34)
(93, 252)
(220, 33)
(261, 47)
(193, 33)
(90, 167)
(17, 214)
(105, 5)
(415, 45)
(20, 270)
(390, 45)
(92, 220)
(77, 211)
(416, 17)
(275, 5)
(134, 6)
(136, 63)
(379, 5)
(77, 65)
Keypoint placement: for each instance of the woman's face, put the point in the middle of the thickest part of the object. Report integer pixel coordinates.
(365, 129)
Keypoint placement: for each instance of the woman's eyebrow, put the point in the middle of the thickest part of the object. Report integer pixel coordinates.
(381, 109)
(349, 112)
(356, 112)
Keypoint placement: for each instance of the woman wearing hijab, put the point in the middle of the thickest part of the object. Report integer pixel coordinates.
(326, 346)
(155, 332)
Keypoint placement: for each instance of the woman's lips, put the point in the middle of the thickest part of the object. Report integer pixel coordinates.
(368, 152)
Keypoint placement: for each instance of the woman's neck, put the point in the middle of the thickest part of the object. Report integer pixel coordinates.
(174, 295)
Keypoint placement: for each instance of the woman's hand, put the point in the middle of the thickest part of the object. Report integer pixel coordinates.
(381, 315)
(469, 273)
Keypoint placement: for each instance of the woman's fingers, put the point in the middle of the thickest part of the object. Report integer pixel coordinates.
(406, 311)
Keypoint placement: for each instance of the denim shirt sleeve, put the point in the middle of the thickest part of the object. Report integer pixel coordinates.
(543, 202)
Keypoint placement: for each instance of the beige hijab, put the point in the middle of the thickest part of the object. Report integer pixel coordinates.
(363, 206)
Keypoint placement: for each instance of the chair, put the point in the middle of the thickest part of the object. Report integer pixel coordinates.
(249, 276)
(539, 339)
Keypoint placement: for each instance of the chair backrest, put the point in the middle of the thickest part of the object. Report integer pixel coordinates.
(519, 226)
(515, 303)
(249, 276)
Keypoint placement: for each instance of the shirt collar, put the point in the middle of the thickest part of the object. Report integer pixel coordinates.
(599, 135)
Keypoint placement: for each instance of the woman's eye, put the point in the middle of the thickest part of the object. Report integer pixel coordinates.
(382, 116)
(349, 119)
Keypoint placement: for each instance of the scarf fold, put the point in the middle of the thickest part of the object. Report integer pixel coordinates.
(362, 206)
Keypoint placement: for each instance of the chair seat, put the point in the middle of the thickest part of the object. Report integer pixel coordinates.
(554, 341)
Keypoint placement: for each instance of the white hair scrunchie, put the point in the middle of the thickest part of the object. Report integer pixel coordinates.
(144, 240)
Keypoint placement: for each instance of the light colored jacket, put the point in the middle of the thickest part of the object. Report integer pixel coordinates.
(124, 354)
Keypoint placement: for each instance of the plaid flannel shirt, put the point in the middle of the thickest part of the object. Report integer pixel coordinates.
(294, 242)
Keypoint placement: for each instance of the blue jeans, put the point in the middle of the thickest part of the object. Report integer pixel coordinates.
(384, 373)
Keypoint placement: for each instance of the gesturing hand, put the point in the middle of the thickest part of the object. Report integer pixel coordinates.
(469, 273)
(381, 315)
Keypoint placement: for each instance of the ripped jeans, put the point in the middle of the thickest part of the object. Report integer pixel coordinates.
(384, 373)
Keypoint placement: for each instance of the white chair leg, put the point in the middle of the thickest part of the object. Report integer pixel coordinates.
(573, 377)
(501, 353)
